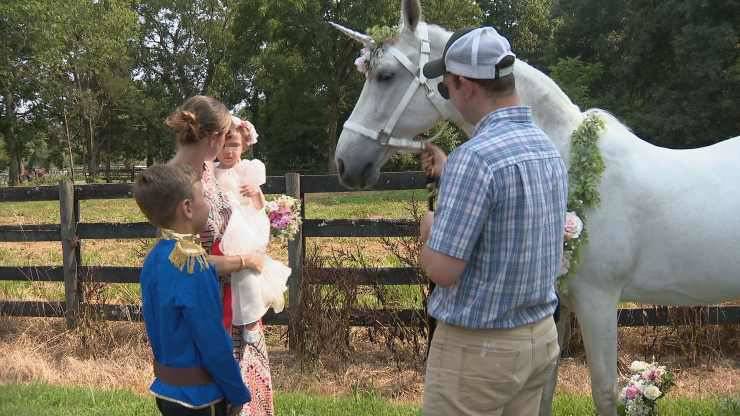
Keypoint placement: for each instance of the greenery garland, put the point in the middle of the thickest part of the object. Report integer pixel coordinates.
(584, 178)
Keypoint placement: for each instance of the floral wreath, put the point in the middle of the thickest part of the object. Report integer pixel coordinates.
(379, 34)
(584, 177)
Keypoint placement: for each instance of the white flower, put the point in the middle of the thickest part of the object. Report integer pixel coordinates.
(639, 366)
(651, 392)
(573, 226)
(363, 60)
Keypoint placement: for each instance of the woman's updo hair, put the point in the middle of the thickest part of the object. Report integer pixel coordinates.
(198, 117)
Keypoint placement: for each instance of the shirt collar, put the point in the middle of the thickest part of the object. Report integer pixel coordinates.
(514, 114)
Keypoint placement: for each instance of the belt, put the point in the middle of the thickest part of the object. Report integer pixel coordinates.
(190, 376)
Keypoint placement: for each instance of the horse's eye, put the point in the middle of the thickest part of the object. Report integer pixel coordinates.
(385, 76)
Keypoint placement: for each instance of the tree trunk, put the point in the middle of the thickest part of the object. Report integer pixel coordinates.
(14, 170)
(69, 146)
(92, 166)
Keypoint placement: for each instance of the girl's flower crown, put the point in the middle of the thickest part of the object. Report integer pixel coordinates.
(244, 124)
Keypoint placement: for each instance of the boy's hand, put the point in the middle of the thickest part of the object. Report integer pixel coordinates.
(250, 190)
(232, 410)
(433, 160)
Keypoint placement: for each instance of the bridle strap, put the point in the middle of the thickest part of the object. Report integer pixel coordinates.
(384, 136)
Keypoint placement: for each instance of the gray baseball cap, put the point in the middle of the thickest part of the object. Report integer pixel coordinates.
(473, 53)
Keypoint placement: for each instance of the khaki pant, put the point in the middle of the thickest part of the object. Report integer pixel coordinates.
(492, 372)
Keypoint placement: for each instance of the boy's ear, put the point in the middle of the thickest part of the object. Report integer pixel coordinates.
(186, 207)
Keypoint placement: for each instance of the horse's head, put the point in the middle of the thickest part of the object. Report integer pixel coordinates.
(396, 104)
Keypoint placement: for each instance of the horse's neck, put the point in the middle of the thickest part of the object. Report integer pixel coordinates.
(552, 110)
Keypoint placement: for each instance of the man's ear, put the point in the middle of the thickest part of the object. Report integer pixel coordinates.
(467, 87)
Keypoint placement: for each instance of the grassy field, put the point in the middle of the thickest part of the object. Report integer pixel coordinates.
(381, 204)
(23, 400)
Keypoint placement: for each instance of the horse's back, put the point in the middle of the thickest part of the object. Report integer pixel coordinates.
(670, 221)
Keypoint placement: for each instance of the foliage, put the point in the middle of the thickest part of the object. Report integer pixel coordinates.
(90, 82)
(4, 160)
(381, 34)
(577, 79)
(527, 25)
(584, 178)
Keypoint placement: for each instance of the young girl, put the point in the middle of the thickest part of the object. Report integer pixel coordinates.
(248, 230)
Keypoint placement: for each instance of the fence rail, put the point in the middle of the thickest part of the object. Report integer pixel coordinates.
(70, 230)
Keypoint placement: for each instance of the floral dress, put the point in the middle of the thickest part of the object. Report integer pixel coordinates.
(252, 358)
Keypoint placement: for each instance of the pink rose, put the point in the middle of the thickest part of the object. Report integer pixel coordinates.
(361, 61)
(632, 392)
(573, 226)
(651, 375)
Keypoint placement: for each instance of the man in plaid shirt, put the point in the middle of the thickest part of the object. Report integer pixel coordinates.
(494, 247)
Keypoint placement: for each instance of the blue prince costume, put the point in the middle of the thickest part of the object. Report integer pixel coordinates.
(193, 360)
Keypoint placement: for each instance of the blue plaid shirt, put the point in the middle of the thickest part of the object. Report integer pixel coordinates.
(501, 209)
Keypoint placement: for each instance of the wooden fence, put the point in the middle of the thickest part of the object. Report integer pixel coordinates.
(70, 231)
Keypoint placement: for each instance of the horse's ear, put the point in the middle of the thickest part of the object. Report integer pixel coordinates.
(410, 14)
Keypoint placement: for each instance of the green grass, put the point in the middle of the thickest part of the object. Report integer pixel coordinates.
(27, 400)
(36, 399)
(361, 205)
(373, 204)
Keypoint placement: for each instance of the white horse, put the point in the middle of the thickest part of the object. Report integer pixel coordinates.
(667, 230)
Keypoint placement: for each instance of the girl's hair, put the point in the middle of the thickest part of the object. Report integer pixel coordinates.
(245, 130)
(240, 133)
(198, 117)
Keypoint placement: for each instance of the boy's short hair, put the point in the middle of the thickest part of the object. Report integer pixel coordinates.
(160, 189)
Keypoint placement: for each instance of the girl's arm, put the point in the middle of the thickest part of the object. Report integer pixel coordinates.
(226, 265)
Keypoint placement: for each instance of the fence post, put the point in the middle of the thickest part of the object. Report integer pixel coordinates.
(295, 261)
(69, 250)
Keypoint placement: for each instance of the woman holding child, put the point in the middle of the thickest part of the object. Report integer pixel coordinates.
(202, 126)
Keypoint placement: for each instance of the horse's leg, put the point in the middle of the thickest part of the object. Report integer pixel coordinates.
(595, 309)
(548, 393)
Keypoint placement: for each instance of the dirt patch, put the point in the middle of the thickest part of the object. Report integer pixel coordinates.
(117, 356)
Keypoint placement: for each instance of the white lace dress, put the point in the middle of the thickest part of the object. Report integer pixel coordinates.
(248, 230)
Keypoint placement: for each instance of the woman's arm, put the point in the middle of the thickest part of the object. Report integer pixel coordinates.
(225, 265)
(259, 200)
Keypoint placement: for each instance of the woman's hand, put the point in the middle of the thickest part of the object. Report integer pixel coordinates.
(254, 261)
(250, 190)
(254, 193)
(225, 265)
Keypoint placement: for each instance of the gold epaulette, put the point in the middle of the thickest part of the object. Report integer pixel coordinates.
(187, 251)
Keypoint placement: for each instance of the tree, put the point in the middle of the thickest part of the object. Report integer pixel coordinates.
(86, 65)
(527, 25)
(21, 38)
(669, 68)
(303, 80)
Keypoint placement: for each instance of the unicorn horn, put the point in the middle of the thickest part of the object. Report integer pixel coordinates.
(364, 39)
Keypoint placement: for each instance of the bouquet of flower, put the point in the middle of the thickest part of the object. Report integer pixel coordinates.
(284, 213)
(649, 382)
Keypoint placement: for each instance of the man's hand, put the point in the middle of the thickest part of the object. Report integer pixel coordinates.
(433, 160)
(425, 227)
(232, 410)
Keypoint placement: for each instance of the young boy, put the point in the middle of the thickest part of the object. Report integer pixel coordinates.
(195, 371)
